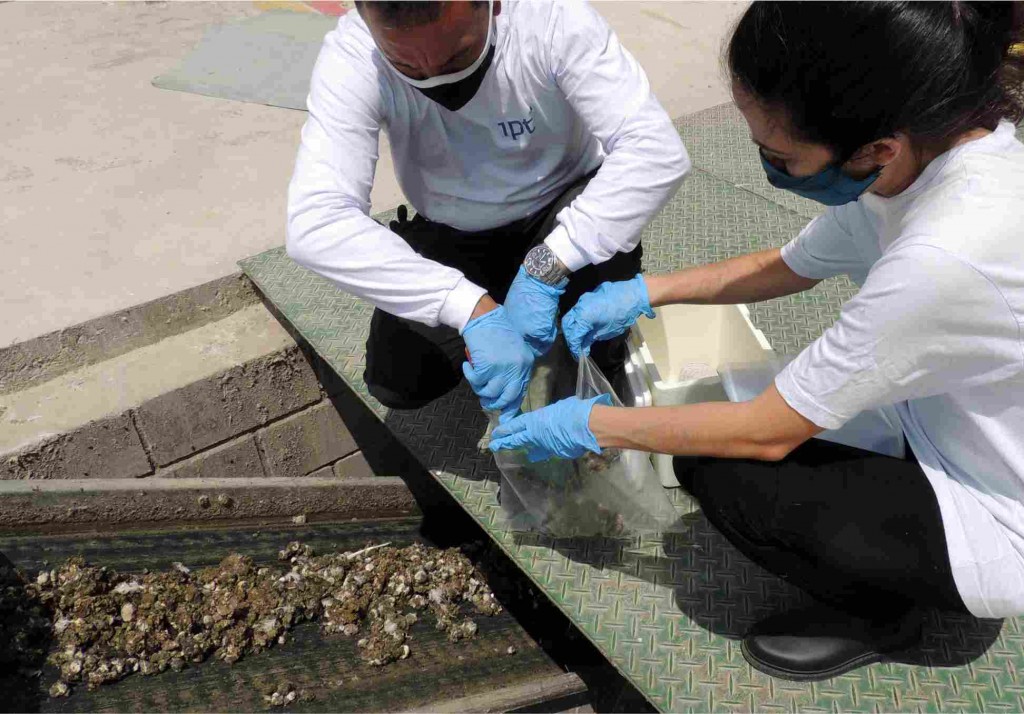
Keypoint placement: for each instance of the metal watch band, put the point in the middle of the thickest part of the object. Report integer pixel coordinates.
(542, 264)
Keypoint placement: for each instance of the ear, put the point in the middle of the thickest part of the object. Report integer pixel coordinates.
(878, 153)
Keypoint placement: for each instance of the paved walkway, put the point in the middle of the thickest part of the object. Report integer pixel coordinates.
(114, 192)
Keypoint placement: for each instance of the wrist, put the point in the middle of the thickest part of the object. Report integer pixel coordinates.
(556, 288)
(483, 306)
(568, 252)
(545, 267)
(600, 416)
(658, 287)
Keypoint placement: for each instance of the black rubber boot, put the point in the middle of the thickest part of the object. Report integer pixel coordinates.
(820, 643)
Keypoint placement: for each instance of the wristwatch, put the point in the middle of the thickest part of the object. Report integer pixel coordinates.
(543, 265)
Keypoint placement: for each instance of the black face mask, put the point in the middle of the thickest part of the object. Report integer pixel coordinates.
(455, 96)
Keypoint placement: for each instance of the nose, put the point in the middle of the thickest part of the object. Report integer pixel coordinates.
(422, 69)
(431, 67)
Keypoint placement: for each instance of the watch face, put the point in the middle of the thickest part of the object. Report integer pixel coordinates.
(540, 261)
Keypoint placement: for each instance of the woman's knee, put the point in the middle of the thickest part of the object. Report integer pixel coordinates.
(738, 491)
(685, 469)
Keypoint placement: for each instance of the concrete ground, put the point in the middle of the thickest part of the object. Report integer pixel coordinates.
(114, 192)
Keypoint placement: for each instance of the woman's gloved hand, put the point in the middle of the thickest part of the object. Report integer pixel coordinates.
(561, 429)
(605, 313)
(500, 362)
(533, 309)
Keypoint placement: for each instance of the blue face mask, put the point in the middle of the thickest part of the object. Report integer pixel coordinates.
(829, 186)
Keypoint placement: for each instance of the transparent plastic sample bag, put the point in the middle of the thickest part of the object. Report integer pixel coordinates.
(613, 493)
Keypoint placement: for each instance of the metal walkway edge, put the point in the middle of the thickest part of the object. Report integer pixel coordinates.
(669, 612)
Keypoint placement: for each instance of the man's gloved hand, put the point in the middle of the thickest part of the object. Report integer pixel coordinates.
(533, 309)
(561, 429)
(500, 362)
(605, 313)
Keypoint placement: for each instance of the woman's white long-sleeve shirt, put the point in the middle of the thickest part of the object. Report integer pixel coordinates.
(560, 98)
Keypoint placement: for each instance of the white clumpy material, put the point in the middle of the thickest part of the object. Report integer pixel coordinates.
(696, 370)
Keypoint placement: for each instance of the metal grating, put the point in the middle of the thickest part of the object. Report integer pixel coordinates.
(719, 144)
(668, 613)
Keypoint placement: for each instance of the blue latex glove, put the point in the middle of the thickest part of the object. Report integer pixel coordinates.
(561, 429)
(605, 313)
(500, 362)
(533, 309)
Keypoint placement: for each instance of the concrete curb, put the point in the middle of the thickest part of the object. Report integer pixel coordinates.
(175, 413)
(194, 419)
(43, 506)
(553, 693)
(28, 363)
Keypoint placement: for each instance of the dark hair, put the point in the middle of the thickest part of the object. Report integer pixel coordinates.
(848, 73)
(405, 13)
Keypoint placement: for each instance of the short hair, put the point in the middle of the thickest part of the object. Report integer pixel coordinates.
(409, 13)
(404, 13)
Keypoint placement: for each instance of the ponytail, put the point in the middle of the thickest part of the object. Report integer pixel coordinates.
(998, 48)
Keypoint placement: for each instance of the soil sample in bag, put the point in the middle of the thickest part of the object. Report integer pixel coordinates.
(606, 494)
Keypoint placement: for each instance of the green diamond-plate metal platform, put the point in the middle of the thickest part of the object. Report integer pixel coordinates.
(718, 141)
(668, 612)
(719, 144)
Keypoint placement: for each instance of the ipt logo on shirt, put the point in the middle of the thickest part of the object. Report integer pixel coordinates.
(515, 128)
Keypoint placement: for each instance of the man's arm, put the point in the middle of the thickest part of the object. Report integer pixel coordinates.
(646, 160)
(329, 227)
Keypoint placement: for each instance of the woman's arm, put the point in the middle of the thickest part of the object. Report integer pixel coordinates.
(765, 428)
(614, 307)
(748, 278)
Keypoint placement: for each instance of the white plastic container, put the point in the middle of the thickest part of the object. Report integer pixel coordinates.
(637, 375)
(680, 351)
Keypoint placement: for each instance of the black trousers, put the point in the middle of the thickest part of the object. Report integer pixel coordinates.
(858, 531)
(409, 365)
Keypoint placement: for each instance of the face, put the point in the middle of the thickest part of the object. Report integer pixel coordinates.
(770, 131)
(449, 44)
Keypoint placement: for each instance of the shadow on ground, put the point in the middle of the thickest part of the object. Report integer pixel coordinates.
(721, 591)
(25, 637)
(716, 587)
(446, 524)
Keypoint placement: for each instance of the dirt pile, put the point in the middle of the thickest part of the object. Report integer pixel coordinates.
(107, 625)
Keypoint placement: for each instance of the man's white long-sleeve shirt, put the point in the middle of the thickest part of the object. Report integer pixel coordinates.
(560, 98)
